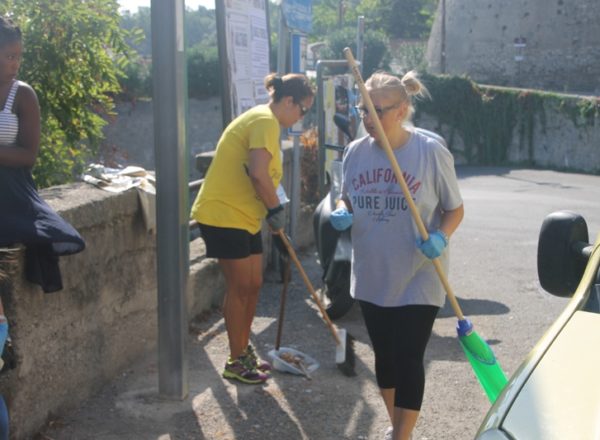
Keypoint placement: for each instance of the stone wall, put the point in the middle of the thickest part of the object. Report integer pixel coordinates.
(562, 49)
(72, 342)
(560, 140)
(130, 134)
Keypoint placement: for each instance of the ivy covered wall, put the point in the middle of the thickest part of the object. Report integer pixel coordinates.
(486, 125)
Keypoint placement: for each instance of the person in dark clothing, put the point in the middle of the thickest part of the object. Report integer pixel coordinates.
(24, 216)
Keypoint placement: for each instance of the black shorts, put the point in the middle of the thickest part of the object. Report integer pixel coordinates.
(230, 243)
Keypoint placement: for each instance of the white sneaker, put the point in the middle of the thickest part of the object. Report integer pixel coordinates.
(388, 433)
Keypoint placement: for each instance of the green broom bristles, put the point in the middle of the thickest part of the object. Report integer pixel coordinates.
(482, 359)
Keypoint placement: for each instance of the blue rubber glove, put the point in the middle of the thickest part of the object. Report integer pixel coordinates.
(3, 419)
(433, 247)
(341, 219)
(3, 334)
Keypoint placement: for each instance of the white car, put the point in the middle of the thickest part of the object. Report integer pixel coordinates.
(555, 392)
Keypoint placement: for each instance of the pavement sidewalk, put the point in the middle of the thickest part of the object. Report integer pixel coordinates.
(330, 406)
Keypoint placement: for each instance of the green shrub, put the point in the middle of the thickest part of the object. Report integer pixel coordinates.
(74, 54)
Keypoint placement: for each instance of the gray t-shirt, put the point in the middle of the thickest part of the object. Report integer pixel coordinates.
(387, 267)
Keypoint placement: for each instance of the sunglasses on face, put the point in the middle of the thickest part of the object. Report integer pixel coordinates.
(363, 111)
(303, 110)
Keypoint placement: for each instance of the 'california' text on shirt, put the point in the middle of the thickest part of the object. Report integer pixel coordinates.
(385, 175)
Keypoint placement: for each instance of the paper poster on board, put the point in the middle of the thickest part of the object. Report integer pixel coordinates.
(246, 47)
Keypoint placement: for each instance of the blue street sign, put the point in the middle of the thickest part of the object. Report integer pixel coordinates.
(298, 42)
(298, 14)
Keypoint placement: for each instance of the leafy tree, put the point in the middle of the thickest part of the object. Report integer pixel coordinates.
(376, 54)
(204, 71)
(330, 15)
(200, 36)
(409, 19)
(74, 54)
(139, 21)
(199, 28)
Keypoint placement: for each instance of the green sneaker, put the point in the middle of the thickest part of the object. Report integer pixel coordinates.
(242, 369)
(259, 364)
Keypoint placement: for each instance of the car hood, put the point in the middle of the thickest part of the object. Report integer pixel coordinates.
(554, 394)
(561, 398)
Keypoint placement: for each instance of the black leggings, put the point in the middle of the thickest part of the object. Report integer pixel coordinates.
(399, 336)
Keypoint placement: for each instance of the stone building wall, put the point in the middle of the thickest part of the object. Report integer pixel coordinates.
(562, 43)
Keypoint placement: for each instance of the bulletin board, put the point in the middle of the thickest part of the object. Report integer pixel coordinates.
(244, 49)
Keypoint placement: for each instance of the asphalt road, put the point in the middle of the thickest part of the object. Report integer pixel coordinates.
(493, 273)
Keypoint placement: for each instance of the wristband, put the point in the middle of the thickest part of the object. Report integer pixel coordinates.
(272, 211)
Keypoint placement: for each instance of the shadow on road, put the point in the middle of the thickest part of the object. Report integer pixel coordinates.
(474, 307)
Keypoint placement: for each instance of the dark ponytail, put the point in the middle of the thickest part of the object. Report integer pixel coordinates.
(295, 85)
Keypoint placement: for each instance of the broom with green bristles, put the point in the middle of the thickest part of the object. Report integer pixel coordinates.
(478, 352)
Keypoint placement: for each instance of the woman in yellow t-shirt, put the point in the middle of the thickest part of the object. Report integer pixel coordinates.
(238, 192)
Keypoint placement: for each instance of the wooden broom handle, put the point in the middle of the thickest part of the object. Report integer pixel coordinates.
(309, 285)
(398, 173)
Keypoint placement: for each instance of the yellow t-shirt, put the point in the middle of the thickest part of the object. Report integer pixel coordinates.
(227, 198)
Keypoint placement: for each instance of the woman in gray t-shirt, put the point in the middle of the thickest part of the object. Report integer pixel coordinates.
(392, 278)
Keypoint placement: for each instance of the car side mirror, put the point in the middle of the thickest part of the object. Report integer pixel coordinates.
(562, 255)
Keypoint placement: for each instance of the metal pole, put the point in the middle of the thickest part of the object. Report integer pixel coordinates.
(282, 50)
(227, 103)
(320, 129)
(443, 42)
(282, 36)
(360, 41)
(295, 188)
(172, 194)
(296, 55)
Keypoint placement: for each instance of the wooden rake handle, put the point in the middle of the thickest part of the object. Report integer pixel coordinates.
(399, 176)
(309, 285)
(286, 281)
